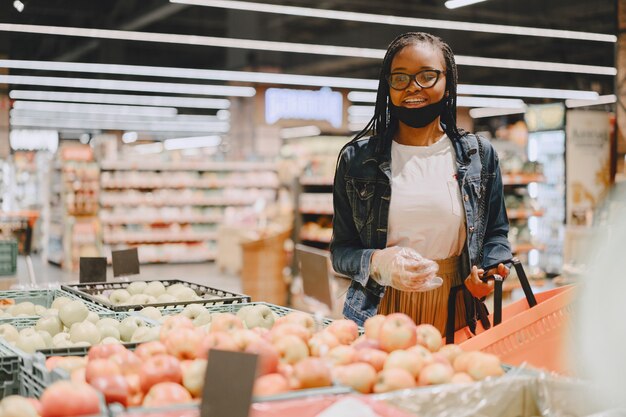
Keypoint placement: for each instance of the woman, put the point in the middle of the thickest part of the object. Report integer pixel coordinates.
(418, 206)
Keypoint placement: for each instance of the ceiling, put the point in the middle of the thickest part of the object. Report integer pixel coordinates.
(160, 16)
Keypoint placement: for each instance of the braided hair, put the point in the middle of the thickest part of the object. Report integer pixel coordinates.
(382, 120)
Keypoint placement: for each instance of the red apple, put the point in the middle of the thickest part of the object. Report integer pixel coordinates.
(148, 349)
(267, 362)
(397, 332)
(424, 353)
(363, 342)
(291, 349)
(270, 384)
(104, 351)
(341, 355)
(285, 329)
(78, 375)
(436, 373)
(225, 322)
(217, 340)
(183, 343)
(244, 337)
(346, 331)
(115, 388)
(463, 360)
(429, 337)
(160, 368)
(298, 317)
(404, 359)
(135, 395)
(484, 365)
(127, 361)
(461, 378)
(99, 368)
(450, 351)
(358, 376)
(67, 363)
(372, 326)
(321, 343)
(313, 373)
(393, 379)
(173, 323)
(68, 399)
(374, 357)
(166, 393)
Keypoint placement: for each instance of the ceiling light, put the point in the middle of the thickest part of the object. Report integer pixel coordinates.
(362, 97)
(518, 64)
(464, 101)
(19, 6)
(492, 112)
(608, 99)
(504, 91)
(299, 132)
(149, 148)
(361, 111)
(400, 21)
(187, 102)
(455, 4)
(192, 142)
(145, 86)
(130, 137)
(95, 108)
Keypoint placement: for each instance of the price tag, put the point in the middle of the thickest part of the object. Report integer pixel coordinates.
(125, 262)
(92, 270)
(228, 384)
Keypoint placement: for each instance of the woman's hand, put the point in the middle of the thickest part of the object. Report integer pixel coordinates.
(477, 287)
(501, 270)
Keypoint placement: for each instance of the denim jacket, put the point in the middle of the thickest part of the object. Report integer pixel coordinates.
(361, 197)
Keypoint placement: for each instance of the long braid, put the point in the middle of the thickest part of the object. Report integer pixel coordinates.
(382, 120)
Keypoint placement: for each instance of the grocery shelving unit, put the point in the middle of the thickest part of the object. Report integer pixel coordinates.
(171, 210)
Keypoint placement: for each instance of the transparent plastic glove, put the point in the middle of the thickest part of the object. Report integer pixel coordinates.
(404, 269)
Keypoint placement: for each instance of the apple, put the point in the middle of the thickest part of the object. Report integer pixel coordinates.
(461, 378)
(175, 288)
(40, 310)
(358, 376)
(321, 343)
(67, 363)
(484, 365)
(203, 319)
(216, 340)
(109, 332)
(136, 287)
(9, 333)
(346, 331)
(393, 379)
(429, 337)
(100, 367)
(363, 342)
(451, 352)
(299, 317)
(73, 312)
(78, 375)
(160, 368)
(166, 298)
(108, 321)
(85, 332)
(110, 341)
(270, 384)
(62, 340)
(17, 406)
(243, 337)
(397, 332)
(27, 308)
(148, 349)
(341, 355)
(127, 361)
(46, 338)
(267, 362)
(183, 343)
(313, 373)
(290, 329)
(68, 399)
(404, 359)
(155, 289)
(93, 317)
(166, 393)
(425, 354)
(435, 373)
(50, 312)
(128, 326)
(372, 326)
(291, 349)
(146, 334)
(374, 357)
(225, 322)
(30, 340)
(193, 311)
(119, 297)
(174, 322)
(463, 360)
(193, 377)
(259, 315)
(59, 302)
(186, 294)
(135, 396)
(114, 388)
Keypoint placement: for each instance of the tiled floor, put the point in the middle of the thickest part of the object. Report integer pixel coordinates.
(47, 274)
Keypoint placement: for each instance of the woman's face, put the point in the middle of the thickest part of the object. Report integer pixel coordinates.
(410, 60)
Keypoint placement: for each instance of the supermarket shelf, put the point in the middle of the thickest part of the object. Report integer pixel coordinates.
(311, 210)
(188, 166)
(161, 220)
(523, 213)
(195, 202)
(316, 181)
(152, 237)
(527, 247)
(199, 185)
(521, 179)
(211, 256)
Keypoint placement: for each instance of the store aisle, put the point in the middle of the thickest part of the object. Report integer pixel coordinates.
(201, 273)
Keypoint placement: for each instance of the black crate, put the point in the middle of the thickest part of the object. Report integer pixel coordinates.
(89, 291)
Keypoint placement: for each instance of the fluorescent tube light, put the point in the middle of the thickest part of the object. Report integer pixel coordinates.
(95, 108)
(519, 64)
(361, 97)
(503, 91)
(608, 99)
(149, 148)
(192, 142)
(299, 132)
(455, 4)
(465, 101)
(146, 86)
(139, 126)
(188, 102)
(491, 112)
(400, 21)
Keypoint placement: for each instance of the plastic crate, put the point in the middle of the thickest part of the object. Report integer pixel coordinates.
(89, 291)
(44, 297)
(9, 372)
(8, 257)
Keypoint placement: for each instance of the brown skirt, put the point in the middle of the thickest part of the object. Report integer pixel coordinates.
(429, 306)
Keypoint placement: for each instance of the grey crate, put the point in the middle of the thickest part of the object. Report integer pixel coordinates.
(8, 257)
(9, 372)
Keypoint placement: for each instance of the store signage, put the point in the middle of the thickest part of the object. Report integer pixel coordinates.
(543, 117)
(228, 384)
(125, 262)
(323, 104)
(588, 163)
(34, 140)
(92, 270)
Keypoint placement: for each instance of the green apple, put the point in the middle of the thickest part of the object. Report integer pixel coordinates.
(136, 287)
(140, 299)
(109, 331)
(108, 321)
(9, 333)
(146, 334)
(85, 331)
(26, 307)
(30, 340)
(59, 302)
(155, 288)
(202, 319)
(128, 326)
(46, 337)
(166, 298)
(152, 313)
(186, 294)
(73, 312)
(40, 310)
(259, 316)
(110, 341)
(61, 340)
(174, 288)
(193, 311)
(93, 317)
(119, 297)
(51, 324)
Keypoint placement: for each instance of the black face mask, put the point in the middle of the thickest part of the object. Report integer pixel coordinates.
(419, 117)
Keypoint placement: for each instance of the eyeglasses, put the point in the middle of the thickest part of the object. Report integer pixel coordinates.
(425, 79)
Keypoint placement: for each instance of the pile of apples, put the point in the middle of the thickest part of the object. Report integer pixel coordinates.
(69, 323)
(142, 293)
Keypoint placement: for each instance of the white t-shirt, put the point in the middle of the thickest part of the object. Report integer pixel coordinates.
(426, 212)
